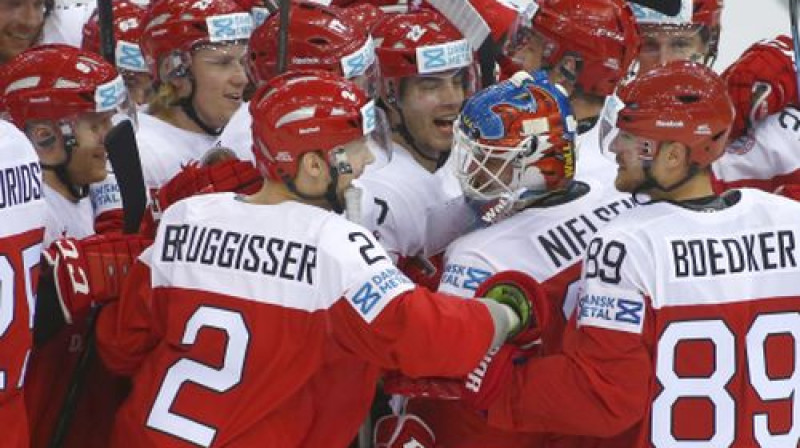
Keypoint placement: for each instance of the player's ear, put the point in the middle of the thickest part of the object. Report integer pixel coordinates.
(313, 165)
(676, 154)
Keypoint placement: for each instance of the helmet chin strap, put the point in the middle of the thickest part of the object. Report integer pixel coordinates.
(187, 105)
(650, 182)
(70, 142)
(329, 196)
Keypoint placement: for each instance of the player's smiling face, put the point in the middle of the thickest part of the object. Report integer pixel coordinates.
(220, 81)
(430, 105)
(88, 162)
(20, 24)
(632, 153)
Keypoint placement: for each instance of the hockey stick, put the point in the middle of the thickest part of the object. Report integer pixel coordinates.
(793, 12)
(283, 35)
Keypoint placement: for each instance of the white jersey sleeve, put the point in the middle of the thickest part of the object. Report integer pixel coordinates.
(765, 159)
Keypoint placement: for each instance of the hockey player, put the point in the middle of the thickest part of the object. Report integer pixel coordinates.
(265, 319)
(763, 86)
(22, 212)
(195, 51)
(428, 70)
(515, 141)
(688, 304)
(128, 57)
(64, 100)
(587, 47)
(691, 36)
(320, 38)
(20, 26)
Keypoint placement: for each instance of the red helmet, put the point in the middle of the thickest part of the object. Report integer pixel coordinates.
(176, 27)
(303, 111)
(320, 38)
(603, 33)
(679, 101)
(56, 82)
(128, 19)
(420, 43)
(367, 14)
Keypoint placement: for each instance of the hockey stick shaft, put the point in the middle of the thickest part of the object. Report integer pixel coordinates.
(793, 13)
(283, 35)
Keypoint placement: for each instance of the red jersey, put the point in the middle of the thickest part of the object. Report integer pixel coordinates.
(266, 325)
(22, 213)
(686, 333)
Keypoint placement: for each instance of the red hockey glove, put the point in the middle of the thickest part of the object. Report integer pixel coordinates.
(423, 271)
(229, 175)
(477, 390)
(402, 431)
(91, 271)
(525, 296)
(109, 221)
(761, 82)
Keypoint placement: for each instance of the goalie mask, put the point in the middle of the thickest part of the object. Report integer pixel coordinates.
(315, 111)
(53, 91)
(516, 139)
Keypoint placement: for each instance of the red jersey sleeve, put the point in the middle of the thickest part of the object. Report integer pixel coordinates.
(126, 331)
(418, 332)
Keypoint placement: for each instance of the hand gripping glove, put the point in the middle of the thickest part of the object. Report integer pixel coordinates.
(91, 271)
(423, 271)
(477, 390)
(761, 82)
(229, 175)
(232, 175)
(402, 431)
(526, 298)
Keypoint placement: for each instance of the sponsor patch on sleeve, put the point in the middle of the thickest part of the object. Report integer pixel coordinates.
(611, 308)
(374, 294)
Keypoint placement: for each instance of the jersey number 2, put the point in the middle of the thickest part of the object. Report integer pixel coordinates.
(218, 380)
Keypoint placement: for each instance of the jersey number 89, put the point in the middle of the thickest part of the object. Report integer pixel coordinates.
(713, 386)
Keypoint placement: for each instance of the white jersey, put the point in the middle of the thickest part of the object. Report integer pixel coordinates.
(765, 159)
(22, 216)
(592, 164)
(707, 294)
(238, 134)
(65, 23)
(67, 218)
(164, 149)
(399, 202)
(543, 242)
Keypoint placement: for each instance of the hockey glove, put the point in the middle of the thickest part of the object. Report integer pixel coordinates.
(791, 191)
(229, 175)
(91, 271)
(526, 298)
(477, 390)
(761, 82)
(402, 431)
